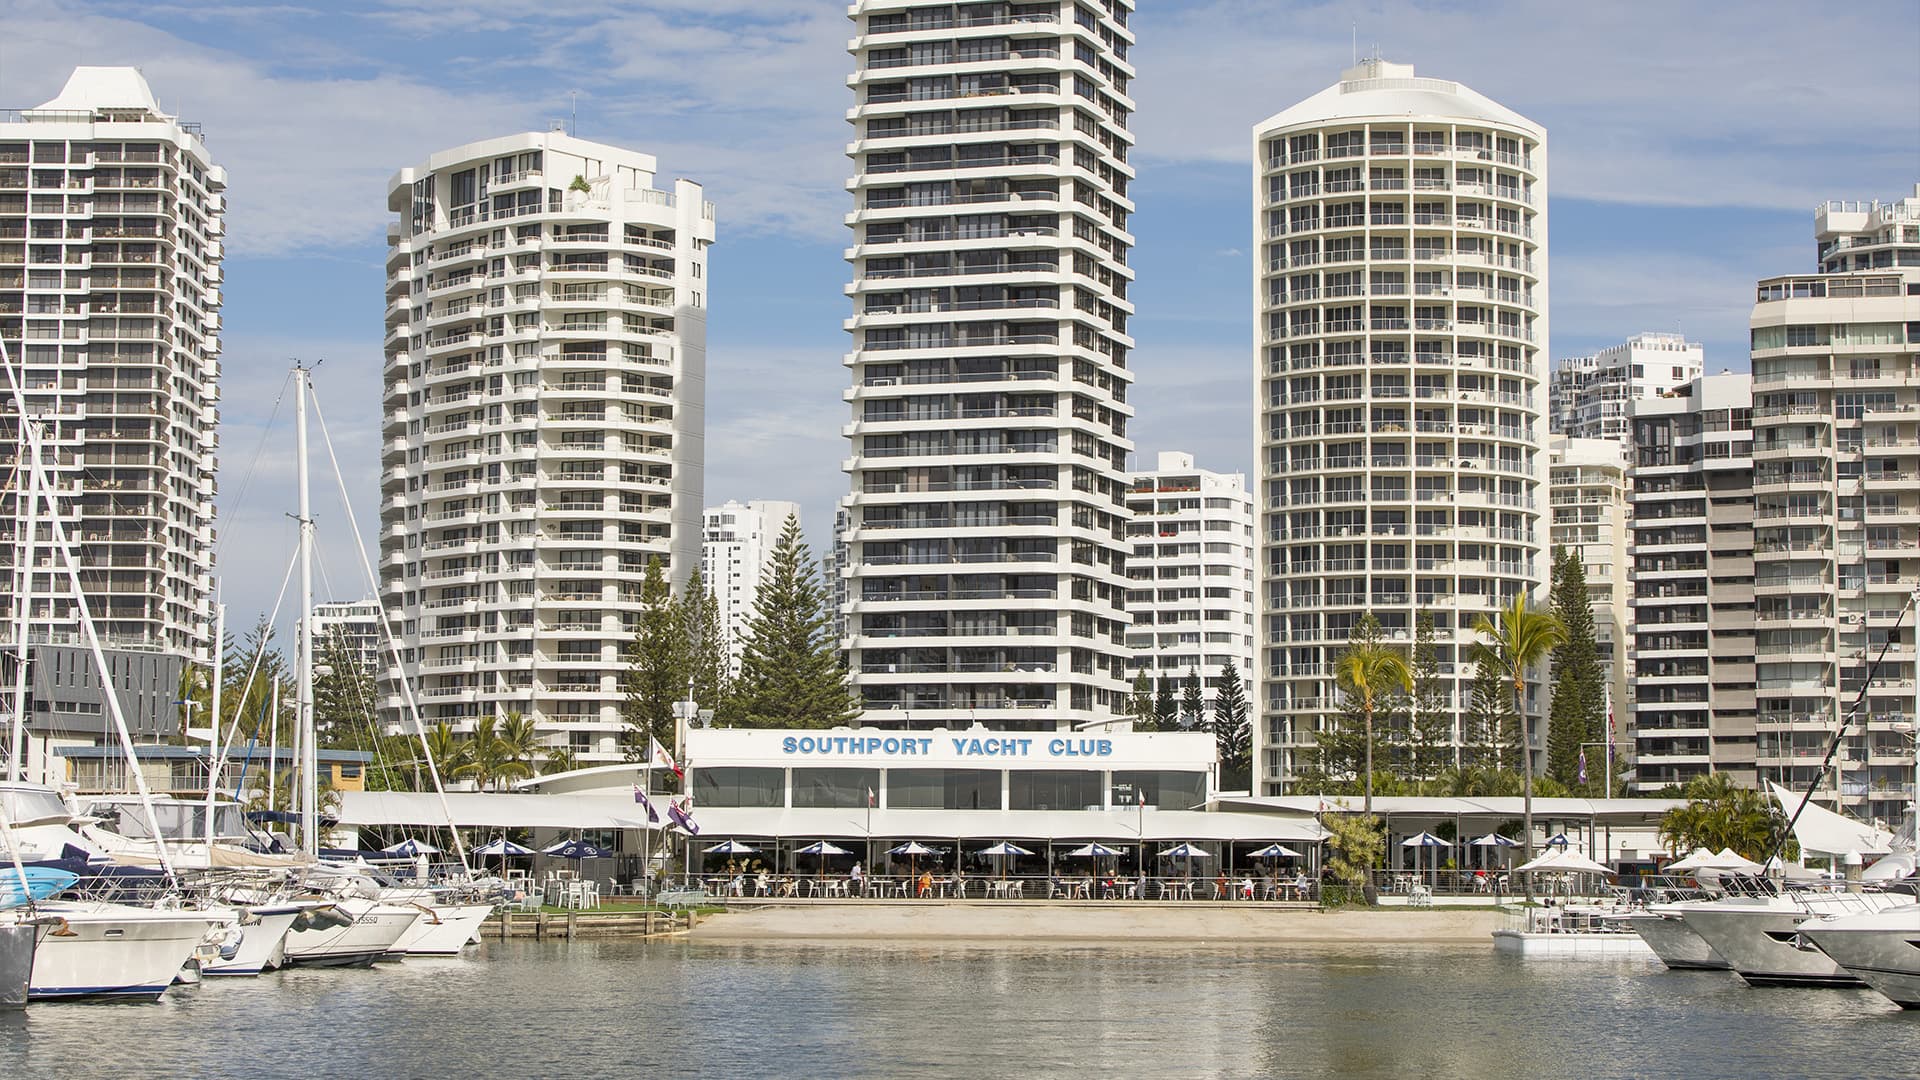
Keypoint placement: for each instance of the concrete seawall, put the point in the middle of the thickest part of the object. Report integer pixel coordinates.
(1094, 921)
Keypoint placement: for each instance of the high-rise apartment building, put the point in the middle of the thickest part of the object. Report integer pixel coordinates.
(357, 625)
(1587, 490)
(112, 227)
(544, 417)
(1190, 573)
(1836, 363)
(986, 533)
(1692, 545)
(1401, 232)
(1589, 394)
(739, 544)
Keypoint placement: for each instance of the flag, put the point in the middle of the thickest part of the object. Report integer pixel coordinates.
(639, 796)
(1583, 764)
(681, 811)
(872, 800)
(665, 760)
(1140, 797)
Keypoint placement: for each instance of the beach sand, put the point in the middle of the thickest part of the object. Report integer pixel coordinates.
(1068, 922)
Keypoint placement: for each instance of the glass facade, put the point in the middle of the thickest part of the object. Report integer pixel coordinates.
(1165, 790)
(834, 787)
(943, 789)
(739, 787)
(1054, 789)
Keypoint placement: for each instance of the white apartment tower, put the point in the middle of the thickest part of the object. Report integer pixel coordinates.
(1401, 295)
(1589, 394)
(1692, 546)
(1587, 491)
(357, 622)
(112, 227)
(544, 417)
(1836, 458)
(739, 543)
(1190, 573)
(986, 532)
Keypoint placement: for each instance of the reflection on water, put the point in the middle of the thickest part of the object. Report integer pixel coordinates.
(681, 1008)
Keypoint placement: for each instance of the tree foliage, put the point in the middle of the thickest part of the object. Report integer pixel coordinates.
(1429, 730)
(1166, 708)
(657, 666)
(1522, 638)
(1193, 702)
(1721, 814)
(1233, 729)
(706, 644)
(791, 674)
(1357, 843)
(1577, 714)
(1369, 671)
(343, 696)
(1493, 728)
(490, 758)
(1140, 703)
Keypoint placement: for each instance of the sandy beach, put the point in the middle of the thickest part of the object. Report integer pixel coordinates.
(1005, 921)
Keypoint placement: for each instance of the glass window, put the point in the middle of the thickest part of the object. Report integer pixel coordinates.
(1164, 790)
(1054, 789)
(738, 787)
(834, 787)
(944, 789)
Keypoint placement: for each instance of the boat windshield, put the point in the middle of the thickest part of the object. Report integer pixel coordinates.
(31, 804)
(178, 821)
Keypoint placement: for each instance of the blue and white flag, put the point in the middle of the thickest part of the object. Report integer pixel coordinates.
(681, 811)
(1583, 764)
(640, 796)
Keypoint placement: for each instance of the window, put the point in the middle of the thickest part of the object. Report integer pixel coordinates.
(943, 789)
(834, 787)
(739, 787)
(1164, 790)
(1054, 789)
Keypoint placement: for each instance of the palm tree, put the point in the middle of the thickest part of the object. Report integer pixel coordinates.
(1368, 671)
(448, 751)
(490, 759)
(519, 739)
(1524, 636)
(559, 759)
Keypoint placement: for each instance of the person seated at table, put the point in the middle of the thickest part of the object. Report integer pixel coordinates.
(925, 883)
(1246, 888)
(1220, 887)
(1302, 884)
(760, 883)
(959, 882)
(857, 880)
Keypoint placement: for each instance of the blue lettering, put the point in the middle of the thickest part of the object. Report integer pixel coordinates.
(908, 746)
(960, 746)
(891, 746)
(974, 747)
(787, 745)
(1106, 748)
(1056, 747)
(1025, 745)
(806, 745)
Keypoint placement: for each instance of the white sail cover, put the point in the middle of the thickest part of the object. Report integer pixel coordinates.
(1823, 832)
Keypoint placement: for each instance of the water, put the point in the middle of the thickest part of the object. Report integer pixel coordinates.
(677, 1008)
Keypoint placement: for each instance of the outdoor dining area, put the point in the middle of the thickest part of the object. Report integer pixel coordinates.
(913, 869)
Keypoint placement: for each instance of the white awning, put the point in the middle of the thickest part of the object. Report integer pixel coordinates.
(492, 810)
(1115, 826)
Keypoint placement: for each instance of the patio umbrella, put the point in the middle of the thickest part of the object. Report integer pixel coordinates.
(409, 848)
(1275, 851)
(912, 849)
(575, 849)
(1423, 840)
(1091, 851)
(1492, 840)
(823, 849)
(1003, 849)
(1559, 840)
(731, 847)
(1185, 851)
(1566, 862)
(502, 847)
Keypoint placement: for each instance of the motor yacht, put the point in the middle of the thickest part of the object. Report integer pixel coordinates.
(1666, 932)
(1880, 948)
(1757, 934)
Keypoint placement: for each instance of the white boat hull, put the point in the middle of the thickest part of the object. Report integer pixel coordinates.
(443, 930)
(1677, 946)
(1570, 944)
(1882, 950)
(372, 934)
(107, 950)
(1757, 942)
(263, 936)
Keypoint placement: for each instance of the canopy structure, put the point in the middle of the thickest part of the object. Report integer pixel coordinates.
(1561, 861)
(1700, 857)
(1108, 827)
(494, 810)
(1823, 832)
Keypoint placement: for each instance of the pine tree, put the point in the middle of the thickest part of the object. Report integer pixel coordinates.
(1193, 703)
(1577, 712)
(1495, 730)
(1430, 728)
(1166, 710)
(1233, 729)
(657, 668)
(791, 674)
(706, 641)
(342, 696)
(1140, 705)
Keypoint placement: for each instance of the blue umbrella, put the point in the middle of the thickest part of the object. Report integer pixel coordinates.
(1091, 851)
(1558, 840)
(502, 846)
(1184, 851)
(731, 847)
(409, 848)
(821, 847)
(1276, 851)
(575, 849)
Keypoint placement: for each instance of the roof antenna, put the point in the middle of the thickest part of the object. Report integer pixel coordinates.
(574, 128)
(1356, 44)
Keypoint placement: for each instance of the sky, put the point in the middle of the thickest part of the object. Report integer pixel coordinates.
(1688, 145)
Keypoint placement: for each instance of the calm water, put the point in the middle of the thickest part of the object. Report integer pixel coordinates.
(679, 1008)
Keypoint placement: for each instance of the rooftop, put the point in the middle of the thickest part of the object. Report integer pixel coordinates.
(96, 89)
(1379, 88)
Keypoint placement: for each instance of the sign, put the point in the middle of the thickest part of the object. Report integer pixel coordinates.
(958, 746)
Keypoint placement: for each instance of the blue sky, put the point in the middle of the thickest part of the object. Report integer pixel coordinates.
(1688, 143)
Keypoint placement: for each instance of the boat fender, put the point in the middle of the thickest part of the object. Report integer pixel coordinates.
(227, 939)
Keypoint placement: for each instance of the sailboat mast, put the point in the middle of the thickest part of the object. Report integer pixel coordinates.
(216, 750)
(303, 706)
(26, 524)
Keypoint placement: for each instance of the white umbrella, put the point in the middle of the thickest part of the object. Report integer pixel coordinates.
(1425, 839)
(1184, 851)
(410, 847)
(1729, 859)
(1564, 862)
(1559, 840)
(912, 848)
(1492, 840)
(731, 847)
(822, 847)
(1004, 848)
(502, 846)
(1275, 851)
